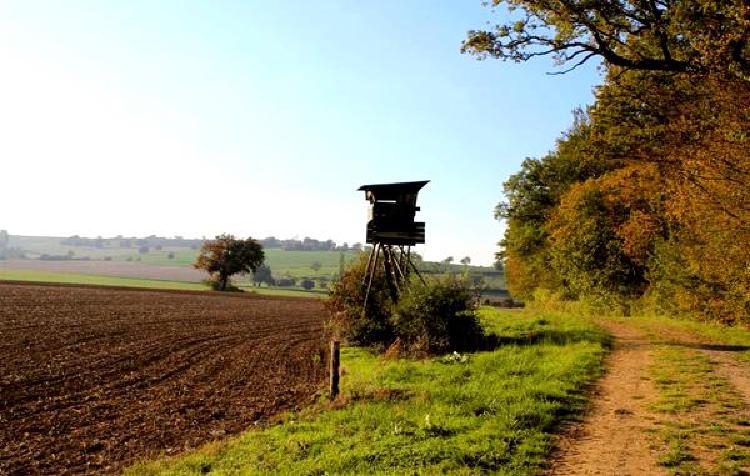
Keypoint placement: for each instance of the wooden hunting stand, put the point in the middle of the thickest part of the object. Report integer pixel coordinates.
(392, 231)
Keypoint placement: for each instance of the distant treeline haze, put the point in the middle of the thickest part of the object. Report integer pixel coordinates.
(306, 244)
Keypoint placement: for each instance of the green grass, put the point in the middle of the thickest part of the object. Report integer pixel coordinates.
(493, 412)
(72, 278)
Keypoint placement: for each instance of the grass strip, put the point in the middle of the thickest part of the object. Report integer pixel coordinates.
(703, 431)
(491, 412)
(102, 280)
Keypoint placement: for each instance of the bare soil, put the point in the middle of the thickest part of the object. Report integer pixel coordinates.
(93, 379)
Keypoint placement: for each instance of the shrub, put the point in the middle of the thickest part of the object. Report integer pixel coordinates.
(429, 319)
(345, 304)
(216, 285)
(307, 284)
(438, 317)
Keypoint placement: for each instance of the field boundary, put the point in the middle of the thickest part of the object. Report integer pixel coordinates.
(243, 295)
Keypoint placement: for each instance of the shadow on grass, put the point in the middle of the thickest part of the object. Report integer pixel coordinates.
(550, 336)
(718, 347)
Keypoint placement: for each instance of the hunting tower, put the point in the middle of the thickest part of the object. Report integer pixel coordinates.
(392, 231)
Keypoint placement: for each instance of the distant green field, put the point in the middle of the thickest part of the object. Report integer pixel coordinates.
(44, 276)
(283, 263)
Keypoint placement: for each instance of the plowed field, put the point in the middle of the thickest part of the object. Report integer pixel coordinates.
(92, 379)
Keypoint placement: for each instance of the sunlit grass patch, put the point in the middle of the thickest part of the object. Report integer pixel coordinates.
(490, 412)
(700, 433)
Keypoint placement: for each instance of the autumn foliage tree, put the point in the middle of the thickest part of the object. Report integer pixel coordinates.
(648, 195)
(226, 256)
(676, 36)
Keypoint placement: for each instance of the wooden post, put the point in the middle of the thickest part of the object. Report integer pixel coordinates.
(333, 390)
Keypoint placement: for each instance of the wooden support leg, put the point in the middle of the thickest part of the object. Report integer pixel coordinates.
(334, 370)
(369, 274)
(390, 277)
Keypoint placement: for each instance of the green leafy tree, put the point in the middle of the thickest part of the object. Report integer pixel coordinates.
(601, 238)
(447, 262)
(226, 256)
(499, 265)
(532, 195)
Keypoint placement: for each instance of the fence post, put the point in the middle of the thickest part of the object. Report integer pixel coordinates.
(333, 390)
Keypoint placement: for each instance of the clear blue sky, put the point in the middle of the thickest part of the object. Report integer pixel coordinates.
(262, 118)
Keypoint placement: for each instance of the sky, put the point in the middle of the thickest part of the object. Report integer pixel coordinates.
(262, 118)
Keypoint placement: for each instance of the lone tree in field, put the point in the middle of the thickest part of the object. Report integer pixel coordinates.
(226, 256)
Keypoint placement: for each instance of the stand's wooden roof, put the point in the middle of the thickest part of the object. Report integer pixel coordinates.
(393, 191)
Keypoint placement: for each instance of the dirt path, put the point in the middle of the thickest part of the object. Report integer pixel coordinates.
(612, 439)
(618, 435)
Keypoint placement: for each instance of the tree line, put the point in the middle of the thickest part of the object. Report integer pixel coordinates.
(6, 250)
(153, 241)
(647, 195)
